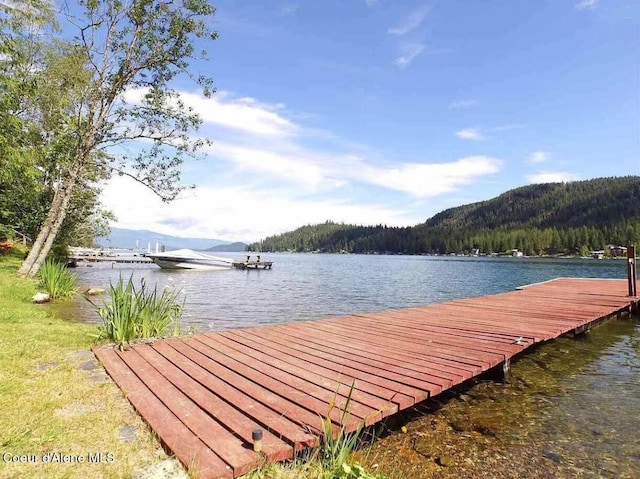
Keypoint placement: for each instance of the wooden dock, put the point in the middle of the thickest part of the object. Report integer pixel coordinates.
(80, 259)
(205, 394)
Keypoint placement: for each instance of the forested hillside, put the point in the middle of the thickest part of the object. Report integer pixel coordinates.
(552, 218)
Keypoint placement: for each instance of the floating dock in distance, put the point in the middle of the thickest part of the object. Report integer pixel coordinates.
(205, 395)
(252, 264)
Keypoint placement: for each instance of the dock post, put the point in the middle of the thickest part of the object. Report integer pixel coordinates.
(632, 272)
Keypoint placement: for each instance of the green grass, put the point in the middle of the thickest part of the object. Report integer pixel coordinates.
(138, 313)
(47, 403)
(56, 279)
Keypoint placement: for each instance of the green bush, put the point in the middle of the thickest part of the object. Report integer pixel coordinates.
(6, 232)
(56, 279)
(141, 313)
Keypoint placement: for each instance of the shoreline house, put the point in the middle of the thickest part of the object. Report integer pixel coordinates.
(617, 250)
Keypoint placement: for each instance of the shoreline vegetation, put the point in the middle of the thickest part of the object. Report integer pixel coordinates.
(573, 219)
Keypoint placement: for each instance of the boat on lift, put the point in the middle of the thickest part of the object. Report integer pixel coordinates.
(189, 259)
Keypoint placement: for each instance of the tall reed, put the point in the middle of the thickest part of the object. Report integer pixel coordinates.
(56, 279)
(138, 313)
(338, 445)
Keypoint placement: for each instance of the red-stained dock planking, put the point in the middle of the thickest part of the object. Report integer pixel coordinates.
(205, 394)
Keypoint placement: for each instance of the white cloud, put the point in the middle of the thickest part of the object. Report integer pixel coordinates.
(313, 171)
(431, 179)
(539, 157)
(237, 213)
(410, 22)
(274, 161)
(587, 4)
(408, 53)
(470, 134)
(462, 104)
(242, 114)
(552, 177)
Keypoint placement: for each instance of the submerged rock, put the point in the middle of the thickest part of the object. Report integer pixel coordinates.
(40, 298)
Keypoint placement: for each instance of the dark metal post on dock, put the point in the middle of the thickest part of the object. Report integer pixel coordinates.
(632, 272)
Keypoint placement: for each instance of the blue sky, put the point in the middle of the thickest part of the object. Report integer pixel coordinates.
(388, 112)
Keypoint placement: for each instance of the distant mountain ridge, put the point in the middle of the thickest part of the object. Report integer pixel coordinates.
(126, 238)
(231, 247)
(550, 218)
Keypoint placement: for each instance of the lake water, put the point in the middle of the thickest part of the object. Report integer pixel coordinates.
(311, 286)
(572, 410)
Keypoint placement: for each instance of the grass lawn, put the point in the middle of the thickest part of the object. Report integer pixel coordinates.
(50, 404)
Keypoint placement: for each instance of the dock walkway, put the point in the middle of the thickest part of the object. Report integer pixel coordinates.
(205, 394)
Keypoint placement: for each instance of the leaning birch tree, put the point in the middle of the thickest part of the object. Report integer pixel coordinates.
(125, 115)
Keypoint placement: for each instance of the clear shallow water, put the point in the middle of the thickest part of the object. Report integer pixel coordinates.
(571, 411)
(311, 286)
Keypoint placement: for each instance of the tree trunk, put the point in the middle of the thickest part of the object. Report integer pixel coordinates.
(34, 252)
(53, 223)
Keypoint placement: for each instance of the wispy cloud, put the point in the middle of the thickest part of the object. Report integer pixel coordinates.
(431, 179)
(243, 114)
(408, 53)
(317, 171)
(470, 134)
(462, 104)
(587, 4)
(410, 22)
(370, 3)
(507, 127)
(478, 134)
(539, 157)
(552, 177)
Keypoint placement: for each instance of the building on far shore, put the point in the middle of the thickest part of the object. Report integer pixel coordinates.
(617, 250)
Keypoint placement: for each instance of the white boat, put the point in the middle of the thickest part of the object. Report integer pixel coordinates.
(189, 259)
